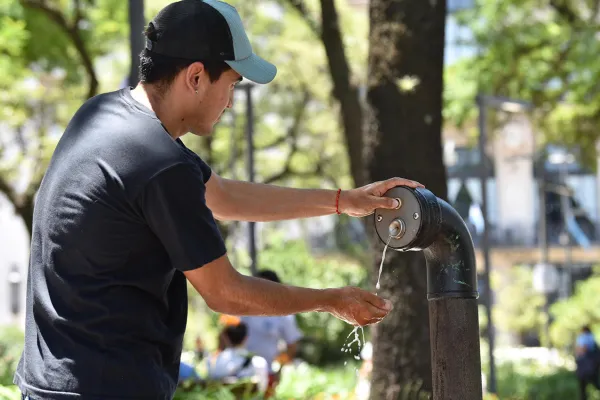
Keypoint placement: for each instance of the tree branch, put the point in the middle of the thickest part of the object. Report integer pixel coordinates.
(277, 142)
(73, 32)
(594, 13)
(7, 189)
(20, 138)
(78, 14)
(38, 155)
(300, 7)
(288, 171)
(343, 89)
(563, 9)
(291, 136)
(292, 132)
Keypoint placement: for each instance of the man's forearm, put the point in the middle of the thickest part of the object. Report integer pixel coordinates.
(245, 201)
(225, 290)
(256, 296)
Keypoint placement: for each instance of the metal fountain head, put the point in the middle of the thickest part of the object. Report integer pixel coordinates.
(424, 222)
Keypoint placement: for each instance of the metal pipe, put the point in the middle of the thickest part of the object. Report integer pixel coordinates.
(136, 38)
(453, 314)
(430, 224)
(485, 246)
(543, 242)
(250, 155)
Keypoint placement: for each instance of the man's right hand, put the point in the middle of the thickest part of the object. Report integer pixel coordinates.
(358, 307)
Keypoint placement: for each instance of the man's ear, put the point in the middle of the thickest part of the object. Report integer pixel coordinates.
(195, 78)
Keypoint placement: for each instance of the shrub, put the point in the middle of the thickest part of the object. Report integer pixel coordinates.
(11, 346)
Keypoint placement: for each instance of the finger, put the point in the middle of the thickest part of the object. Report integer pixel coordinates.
(385, 202)
(377, 301)
(374, 312)
(393, 182)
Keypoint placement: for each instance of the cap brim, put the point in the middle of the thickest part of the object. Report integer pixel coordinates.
(255, 69)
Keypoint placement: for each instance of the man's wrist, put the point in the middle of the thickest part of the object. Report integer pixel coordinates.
(327, 299)
(342, 204)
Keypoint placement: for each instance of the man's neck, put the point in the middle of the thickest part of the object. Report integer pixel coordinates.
(163, 108)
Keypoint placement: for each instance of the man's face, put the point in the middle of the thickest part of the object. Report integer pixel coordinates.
(213, 98)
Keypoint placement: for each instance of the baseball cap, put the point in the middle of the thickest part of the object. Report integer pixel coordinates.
(208, 30)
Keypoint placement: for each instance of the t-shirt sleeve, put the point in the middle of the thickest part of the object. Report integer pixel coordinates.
(174, 205)
(195, 158)
(289, 329)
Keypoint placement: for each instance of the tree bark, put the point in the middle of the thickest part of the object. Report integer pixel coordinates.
(403, 138)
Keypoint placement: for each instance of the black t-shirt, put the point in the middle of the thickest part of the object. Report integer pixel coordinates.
(119, 215)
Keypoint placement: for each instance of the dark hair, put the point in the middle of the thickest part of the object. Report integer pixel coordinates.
(586, 329)
(162, 70)
(269, 275)
(236, 334)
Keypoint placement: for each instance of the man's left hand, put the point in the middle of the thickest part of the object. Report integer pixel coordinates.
(364, 200)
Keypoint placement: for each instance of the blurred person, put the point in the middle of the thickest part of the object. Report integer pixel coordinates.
(235, 361)
(126, 213)
(587, 358)
(187, 372)
(265, 333)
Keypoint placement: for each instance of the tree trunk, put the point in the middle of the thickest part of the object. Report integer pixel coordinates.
(403, 138)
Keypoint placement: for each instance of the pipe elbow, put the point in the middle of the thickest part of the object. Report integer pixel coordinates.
(451, 262)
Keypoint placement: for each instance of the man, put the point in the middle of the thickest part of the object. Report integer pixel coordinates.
(587, 358)
(266, 332)
(124, 215)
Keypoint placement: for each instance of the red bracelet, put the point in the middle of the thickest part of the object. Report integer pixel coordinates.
(337, 202)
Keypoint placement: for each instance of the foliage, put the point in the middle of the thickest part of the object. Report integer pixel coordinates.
(570, 315)
(11, 345)
(518, 308)
(47, 69)
(310, 383)
(9, 393)
(525, 382)
(533, 374)
(302, 382)
(542, 52)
